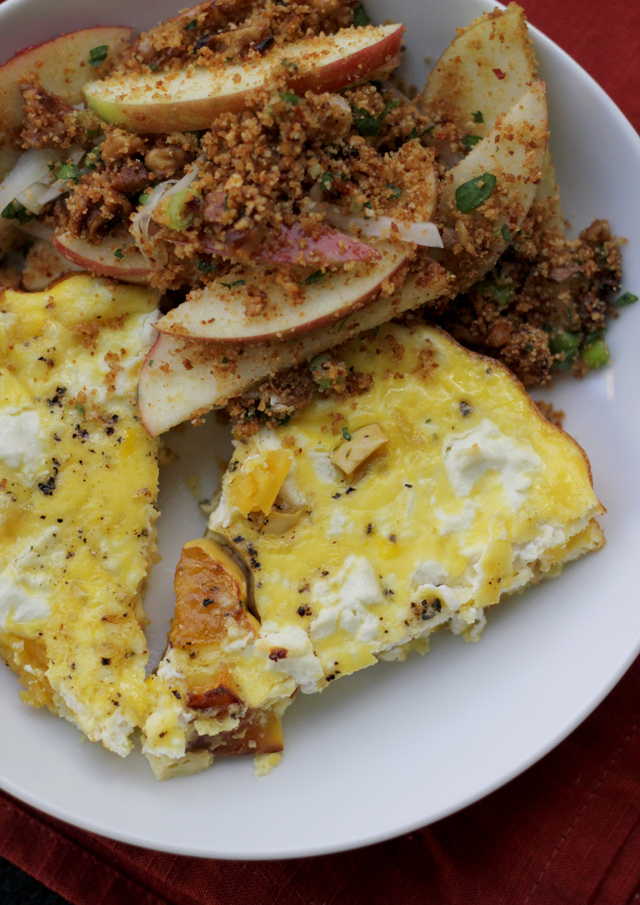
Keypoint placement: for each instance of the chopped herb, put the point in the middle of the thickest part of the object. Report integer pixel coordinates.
(502, 294)
(368, 206)
(470, 141)
(225, 361)
(324, 384)
(504, 232)
(206, 266)
(346, 434)
(360, 17)
(475, 192)
(627, 298)
(191, 25)
(395, 191)
(428, 421)
(179, 210)
(232, 285)
(414, 133)
(375, 331)
(315, 277)
(290, 65)
(478, 117)
(80, 408)
(366, 123)
(153, 66)
(119, 254)
(595, 354)
(289, 98)
(225, 203)
(143, 198)
(98, 55)
(69, 171)
(16, 211)
(327, 181)
(343, 322)
(93, 158)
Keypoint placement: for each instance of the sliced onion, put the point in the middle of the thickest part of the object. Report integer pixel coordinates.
(424, 233)
(140, 222)
(32, 167)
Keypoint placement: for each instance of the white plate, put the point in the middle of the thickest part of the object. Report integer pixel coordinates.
(401, 745)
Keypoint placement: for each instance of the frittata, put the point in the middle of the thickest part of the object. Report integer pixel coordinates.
(353, 532)
(79, 479)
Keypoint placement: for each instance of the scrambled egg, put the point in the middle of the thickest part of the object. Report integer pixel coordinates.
(79, 477)
(364, 524)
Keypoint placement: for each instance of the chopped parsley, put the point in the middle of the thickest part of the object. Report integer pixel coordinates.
(316, 277)
(205, 266)
(504, 232)
(395, 191)
(470, 141)
(475, 192)
(16, 211)
(191, 25)
(234, 284)
(69, 171)
(345, 433)
(369, 125)
(290, 64)
(119, 254)
(289, 98)
(327, 181)
(627, 298)
(80, 408)
(98, 55)
(478, 117)
(360, 17)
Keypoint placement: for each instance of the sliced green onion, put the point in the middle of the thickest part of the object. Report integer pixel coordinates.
(470, 141)
(596, 354)
(478, 117)
(360, 17)
(98, 55)
(627, 298)
(345, 433)
(316, 277)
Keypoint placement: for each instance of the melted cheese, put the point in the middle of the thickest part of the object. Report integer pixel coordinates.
(78, 476)
(474, 496)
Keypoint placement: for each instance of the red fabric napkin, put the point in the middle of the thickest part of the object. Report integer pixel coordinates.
(566, 831)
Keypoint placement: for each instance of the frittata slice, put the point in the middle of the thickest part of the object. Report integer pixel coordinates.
(79, 479)
(364, 524)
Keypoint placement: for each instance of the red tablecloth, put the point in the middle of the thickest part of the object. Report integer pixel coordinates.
(566, 831)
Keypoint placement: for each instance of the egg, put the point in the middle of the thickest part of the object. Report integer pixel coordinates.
(79, 481)
(364, 525)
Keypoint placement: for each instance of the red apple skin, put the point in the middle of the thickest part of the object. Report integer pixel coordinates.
(98, 259)
(291, 322)
(330, 247)
(197, 113)
(354, 68)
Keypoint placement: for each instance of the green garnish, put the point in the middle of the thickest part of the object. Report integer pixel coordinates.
(143, 198)
(119, 254)
(504, 232)
(290, 64)
(98, 55)
(234, 284)
(205, 266)
(366, 123)
(595, 354)
(324, 384)
(316, 363)
(191, 25)
(327, 181)
(627, 298)
(413, 134)
(375, 331)
(428, 421)
(80, 408)
(316, 277)
(395, 191)
(346, 434)
(470, 141)
(478, 117)
(154, 66)
(475, 192)
(289, 98)
(177, 210)
(69, 171)
(566, 345)
(225, 361)
(360, 17)
(16, 211)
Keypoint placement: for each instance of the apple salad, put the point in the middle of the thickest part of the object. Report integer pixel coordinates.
(256, 161)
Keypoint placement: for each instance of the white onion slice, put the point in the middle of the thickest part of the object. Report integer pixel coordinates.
(32, 167)
(425, 233)
(141, 220)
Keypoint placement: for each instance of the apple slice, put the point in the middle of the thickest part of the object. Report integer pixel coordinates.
(183, 379)
(61, 66)
(189, 98)
(218, 313)
(115, 257)
(512, 153)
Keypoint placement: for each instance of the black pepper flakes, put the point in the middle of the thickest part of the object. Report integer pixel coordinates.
(465, 409)
(106, 661)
